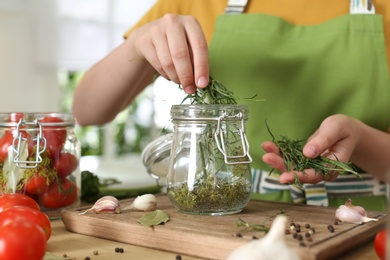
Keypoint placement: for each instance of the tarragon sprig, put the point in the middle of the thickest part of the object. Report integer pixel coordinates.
(292, 153)
(214, 93)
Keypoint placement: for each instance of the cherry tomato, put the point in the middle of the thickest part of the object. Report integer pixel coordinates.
(61, 193)
(22, 240)
(5, 142)
(55, 136)
(37, 184)
(65, 164)
(26, 214)
(17, 199)
(380, 244)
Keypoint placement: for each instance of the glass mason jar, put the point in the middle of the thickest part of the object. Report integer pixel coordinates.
(209, 169)
(39, 156)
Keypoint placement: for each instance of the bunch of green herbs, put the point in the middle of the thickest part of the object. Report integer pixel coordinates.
(214, 93)
(292, 153)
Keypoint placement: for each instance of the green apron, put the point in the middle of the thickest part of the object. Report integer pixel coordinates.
(304, 74)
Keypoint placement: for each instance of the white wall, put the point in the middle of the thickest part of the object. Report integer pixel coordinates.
(38, 37)
(25, 84)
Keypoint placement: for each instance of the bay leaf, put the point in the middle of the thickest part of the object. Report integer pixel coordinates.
(154, 218)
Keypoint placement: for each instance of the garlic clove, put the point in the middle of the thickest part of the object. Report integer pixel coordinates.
(352, 214)
(106, 204)
(359, 209)
(146, 202)
(270, 247)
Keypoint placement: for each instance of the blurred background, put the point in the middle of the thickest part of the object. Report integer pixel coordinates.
(47, 45)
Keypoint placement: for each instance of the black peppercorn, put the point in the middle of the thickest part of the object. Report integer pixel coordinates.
(302, 244)
(331, 228)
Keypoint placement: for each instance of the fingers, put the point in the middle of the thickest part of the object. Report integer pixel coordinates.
(177, 48)
(309, 176)
(199, 48)
(191, 58)
(275, 161)
(334, 138)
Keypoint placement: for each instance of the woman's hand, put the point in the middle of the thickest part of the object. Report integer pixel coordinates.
(336, 138)
(176, 47)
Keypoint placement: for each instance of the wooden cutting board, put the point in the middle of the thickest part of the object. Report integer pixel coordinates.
(214, 237)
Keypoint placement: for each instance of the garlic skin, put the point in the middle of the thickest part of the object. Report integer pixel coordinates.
(270, 247)
(359, 209)
(352, 214)
(106, 204)
(146, 202)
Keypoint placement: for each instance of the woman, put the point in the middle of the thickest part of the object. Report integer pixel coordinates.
(313, 63)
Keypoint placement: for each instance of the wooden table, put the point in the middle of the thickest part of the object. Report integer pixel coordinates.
(78, 247)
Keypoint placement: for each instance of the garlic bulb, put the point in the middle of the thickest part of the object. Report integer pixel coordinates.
(146, 202)
(106, 204)
(270, 247)
(352, 214)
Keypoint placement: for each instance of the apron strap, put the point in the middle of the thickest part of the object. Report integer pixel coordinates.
(236, 6)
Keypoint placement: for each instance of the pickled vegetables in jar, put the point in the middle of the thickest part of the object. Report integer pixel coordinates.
(39, 156)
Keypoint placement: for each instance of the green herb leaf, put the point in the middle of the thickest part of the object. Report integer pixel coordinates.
(154, 218)
(246, 227)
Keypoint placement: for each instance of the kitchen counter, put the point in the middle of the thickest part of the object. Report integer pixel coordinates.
(76, 246)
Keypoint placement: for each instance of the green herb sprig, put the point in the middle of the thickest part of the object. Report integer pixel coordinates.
(292, 153)
(246, 227)
(214, 93)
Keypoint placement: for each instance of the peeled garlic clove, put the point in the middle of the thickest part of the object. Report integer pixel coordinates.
(106, 204)
(349, 214)
(146, 202)
(270, 247)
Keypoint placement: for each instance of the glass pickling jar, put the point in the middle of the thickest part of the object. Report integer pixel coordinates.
(39, 156)
(209, 168)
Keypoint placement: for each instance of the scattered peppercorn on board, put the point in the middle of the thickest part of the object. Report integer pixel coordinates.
(214, 237)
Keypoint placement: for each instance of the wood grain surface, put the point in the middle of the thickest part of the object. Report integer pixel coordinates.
(214, 237)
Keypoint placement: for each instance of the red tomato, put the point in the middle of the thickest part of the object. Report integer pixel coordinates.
(61, 193)
(55, 135)
(17, 199)
(15, 117)
(22, 240)
(37, 184)
(65, 164)
(380, 244)
(5, 142)
(26, 214)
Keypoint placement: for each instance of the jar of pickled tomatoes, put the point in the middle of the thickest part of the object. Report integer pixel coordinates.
(39, 156)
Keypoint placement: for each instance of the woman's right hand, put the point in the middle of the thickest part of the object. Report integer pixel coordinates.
(176, 47)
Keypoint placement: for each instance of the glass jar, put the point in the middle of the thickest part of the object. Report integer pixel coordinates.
(155, 157)
(209, 169)
(39, 156)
